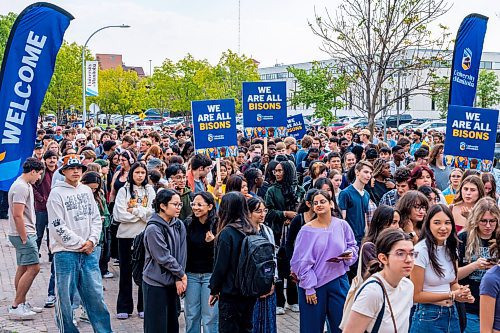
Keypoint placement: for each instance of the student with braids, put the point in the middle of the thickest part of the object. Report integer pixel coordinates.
(381, 182)
(282, 199)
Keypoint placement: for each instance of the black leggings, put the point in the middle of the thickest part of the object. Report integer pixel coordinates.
(160, 309)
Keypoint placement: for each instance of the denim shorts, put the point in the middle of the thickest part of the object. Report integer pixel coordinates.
(26, 254)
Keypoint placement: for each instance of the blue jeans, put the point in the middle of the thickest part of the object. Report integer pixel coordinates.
(435, 319)
(75, 270)
(331, 299)
(472, 323)
(197, 312)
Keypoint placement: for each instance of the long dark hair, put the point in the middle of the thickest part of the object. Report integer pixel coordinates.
(254, 203)
(269, 175)
(384, 243)
(319, 184)
(251, 176)
(308, 197)
(407, 202)
(451, 243)
(233, 209)
(382, 218)
(130, 177)
(235, 183)
(212, 213)
(92, 177)
(287, 185)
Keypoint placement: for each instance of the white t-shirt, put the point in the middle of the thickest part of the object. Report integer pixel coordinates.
(369, 303)
(432, 282)
(22, 192)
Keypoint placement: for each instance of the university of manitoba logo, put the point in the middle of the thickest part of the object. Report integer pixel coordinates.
(210, 138)
(259, 117)
(466, 59)
(462, 146)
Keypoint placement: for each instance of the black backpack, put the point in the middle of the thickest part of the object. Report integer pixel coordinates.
(139, 254)
(256, 266)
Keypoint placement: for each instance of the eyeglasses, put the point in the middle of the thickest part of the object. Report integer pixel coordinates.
(260, 211)
(402, 255)
(420, 207)
(485, 222)
(169, 154)
(80, 141)
(176, 205)
(195, 204)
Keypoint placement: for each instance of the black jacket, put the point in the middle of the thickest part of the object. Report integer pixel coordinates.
(227, 253)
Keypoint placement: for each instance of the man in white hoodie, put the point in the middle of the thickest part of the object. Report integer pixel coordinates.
(75, 226)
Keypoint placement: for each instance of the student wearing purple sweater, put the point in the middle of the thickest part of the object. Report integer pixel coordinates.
(324, 250)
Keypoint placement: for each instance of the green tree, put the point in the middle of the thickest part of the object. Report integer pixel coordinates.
(376, 41)
(120, 92)
(321, 87)
(6, 22)
(65, 87)
(487, 89)
(440, 92)
(175, 84)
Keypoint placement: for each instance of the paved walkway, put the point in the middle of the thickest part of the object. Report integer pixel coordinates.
(45, 322)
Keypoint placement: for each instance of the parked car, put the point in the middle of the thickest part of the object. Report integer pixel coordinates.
(432, 125)
(362, 122)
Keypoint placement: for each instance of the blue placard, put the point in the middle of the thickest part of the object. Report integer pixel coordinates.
(296, 126)
(214, 127)
(471, 132)
(264, 104)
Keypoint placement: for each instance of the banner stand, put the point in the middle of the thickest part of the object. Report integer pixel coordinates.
(218, 169)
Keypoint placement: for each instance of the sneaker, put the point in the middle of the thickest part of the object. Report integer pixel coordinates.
(280, 311)
(32, 308)
(141, 315)
(294, 308)
(21, 313)
(116, 262)
(50, 302)
(84, 317)
(108, 275)
(122, 316)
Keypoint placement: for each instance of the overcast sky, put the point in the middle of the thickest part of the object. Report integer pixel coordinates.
(272, 31)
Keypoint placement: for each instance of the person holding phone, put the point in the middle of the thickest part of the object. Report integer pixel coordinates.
(473, 253)
(324, 249)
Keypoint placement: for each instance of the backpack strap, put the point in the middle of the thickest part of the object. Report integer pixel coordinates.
(388, 302)
(380, 316)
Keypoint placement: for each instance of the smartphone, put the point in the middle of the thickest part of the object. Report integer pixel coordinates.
(345, 254)
(340, 257)
(214, 300)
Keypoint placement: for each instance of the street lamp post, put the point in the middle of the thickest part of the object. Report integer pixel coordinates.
(84, 106)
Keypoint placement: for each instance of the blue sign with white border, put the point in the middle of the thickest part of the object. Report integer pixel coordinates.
(264, 104)
(214, 127)
(471, 132)
(296, 126)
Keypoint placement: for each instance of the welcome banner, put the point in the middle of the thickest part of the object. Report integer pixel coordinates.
(27, 68)
(466, 60)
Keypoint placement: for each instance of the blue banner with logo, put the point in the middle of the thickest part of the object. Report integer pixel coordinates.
(296, 126)
(466, 60)
(214, 127)
(264, 104)
(471, 132)
(27, 68)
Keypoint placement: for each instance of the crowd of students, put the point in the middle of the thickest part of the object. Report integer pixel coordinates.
(370, 234)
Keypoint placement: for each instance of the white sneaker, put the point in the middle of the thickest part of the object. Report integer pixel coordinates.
(294, 308)
(50, 302)
(33, 308)
(21, 313)
(108, 275)
(280, 311)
